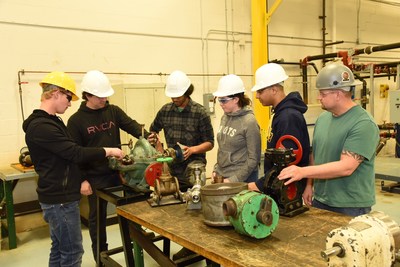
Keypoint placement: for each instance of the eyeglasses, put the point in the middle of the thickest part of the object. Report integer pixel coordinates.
(69, 97)
(224, 100)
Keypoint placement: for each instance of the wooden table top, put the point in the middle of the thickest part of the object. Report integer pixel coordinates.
(296, 241)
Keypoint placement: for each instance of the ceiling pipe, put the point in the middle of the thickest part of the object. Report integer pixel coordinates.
(345, 55)
(323, 17)
(303, 74)
(370, 49)
(130, 73)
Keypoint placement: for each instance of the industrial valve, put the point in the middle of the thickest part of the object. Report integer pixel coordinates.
(288, 197)
(144, 166)
(197, 176)
(174, 152)
(133, 166)
(166, 185)
(368, 240)
(252, 213)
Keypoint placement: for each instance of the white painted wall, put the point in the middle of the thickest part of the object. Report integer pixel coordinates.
(158, 36)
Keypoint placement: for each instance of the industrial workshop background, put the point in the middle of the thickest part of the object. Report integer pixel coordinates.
(138, 43)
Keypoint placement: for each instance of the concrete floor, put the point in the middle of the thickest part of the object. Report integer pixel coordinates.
(34, 242)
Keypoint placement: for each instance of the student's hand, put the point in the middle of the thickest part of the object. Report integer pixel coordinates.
(122, 179)
(114, 152)
(253, 187)
(153, 138)
(293, 173)
(216, 178)
(187, 151)
(86, 189)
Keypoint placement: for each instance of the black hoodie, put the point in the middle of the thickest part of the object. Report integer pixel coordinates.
(55, 156)
(289, 120)
(101, 128)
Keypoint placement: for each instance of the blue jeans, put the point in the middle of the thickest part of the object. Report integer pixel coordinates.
(348, 211)
(65, 232)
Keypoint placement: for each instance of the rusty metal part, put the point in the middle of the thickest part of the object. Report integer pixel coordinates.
(213, 196)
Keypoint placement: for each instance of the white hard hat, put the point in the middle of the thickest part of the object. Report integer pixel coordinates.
(177, 84)
(335, 76)
(96, 83)
(229, 85)
(269, 74)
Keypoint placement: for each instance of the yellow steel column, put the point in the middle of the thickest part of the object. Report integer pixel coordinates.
(260, 18)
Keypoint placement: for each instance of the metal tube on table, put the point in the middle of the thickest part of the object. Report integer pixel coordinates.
(333, 251)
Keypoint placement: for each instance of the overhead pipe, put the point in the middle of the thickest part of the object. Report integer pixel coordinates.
(323, 17)
(346, 59)
(345, 55)
(130, 73)
(20, 92)
(370, 49)
(382, 70)
(23, 72)
(303, 74)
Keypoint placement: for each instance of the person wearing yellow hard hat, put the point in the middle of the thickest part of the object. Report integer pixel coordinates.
(55, 157)
(60, 80)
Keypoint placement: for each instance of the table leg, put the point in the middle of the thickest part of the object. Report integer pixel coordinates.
(12, 235)
(97, 232)
(126, 240)
(138, 254)
(147, 244)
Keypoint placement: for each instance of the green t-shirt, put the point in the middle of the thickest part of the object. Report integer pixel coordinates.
(353, 131)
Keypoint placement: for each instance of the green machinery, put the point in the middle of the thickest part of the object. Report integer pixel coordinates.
(144, 166)
(134, 166)
(252, 213)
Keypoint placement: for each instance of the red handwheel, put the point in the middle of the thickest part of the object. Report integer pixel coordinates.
(298, 152)
(153, 172)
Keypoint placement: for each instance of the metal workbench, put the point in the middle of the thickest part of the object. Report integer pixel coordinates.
(9, 178)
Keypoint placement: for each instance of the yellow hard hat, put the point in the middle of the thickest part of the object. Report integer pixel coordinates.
(62, 80)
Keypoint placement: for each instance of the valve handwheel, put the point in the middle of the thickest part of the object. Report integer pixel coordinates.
(153, 172)
(298, 152)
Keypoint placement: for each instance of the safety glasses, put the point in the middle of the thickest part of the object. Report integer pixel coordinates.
(224, 100)
(69, 97)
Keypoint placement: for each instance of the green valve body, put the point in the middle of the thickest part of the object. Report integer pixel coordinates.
(252, 213)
